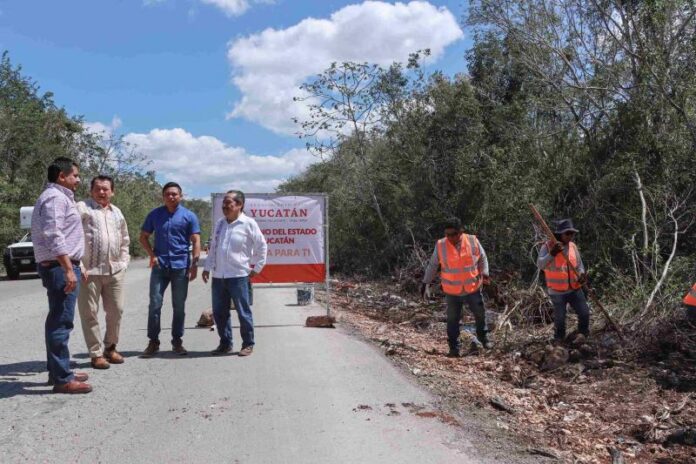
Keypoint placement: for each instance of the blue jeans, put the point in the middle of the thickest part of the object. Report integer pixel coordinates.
(576, 299)
(455, 308)
(160, 278)
(235, 291)
(59, 322)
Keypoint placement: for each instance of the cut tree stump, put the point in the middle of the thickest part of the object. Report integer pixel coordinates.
(681, 437)
(546, 452)
(320, 321)
(206, 319)
(498, 403)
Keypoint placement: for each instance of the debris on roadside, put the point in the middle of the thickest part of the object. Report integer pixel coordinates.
(580, 400)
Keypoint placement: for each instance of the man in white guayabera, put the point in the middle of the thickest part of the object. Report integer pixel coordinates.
(105, 261)
(237, 253)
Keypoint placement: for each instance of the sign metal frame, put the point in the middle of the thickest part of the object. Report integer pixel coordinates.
(325, 227)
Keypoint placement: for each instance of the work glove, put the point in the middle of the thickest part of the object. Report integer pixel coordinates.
(582, 278)
(486, 280)
(556, 248)
(425, 291)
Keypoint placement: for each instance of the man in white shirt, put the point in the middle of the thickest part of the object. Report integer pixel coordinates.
(105, 261)
(237, 252)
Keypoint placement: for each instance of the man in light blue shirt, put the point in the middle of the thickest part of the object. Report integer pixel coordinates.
(237, 253)
(174, 227)
(59, 244)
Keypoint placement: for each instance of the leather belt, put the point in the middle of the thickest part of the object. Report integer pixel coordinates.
(52, 264)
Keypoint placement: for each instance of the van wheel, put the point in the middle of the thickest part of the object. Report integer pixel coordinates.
(12, 271)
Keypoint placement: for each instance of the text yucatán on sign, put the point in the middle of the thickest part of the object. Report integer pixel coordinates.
(294, 230)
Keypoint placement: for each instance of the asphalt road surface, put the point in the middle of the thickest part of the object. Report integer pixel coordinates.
(306, 395)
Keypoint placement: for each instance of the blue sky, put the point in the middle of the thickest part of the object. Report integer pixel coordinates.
(204, 87)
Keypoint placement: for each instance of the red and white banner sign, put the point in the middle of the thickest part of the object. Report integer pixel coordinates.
(294, 230)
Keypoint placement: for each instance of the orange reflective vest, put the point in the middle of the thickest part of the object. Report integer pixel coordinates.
(690, 298)
(559, 277)
(459, 273)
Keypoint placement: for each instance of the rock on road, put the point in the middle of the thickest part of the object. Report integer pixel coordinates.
(304, 396)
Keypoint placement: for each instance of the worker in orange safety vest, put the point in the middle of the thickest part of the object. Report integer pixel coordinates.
(564, 285)
(463, 269)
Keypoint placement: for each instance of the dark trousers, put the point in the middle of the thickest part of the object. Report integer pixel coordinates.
(576, 300)
(59, 322)
(691, 314)
(455, 307)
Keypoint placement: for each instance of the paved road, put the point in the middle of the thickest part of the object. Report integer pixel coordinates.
(304, 396)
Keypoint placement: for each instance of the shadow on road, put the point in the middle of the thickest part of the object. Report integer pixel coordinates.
(192, 355)
(22, 368)
(11, 383)
(256, 326)
(8, 389)
(164, 353)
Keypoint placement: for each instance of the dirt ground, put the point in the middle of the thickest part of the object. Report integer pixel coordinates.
(589, 401)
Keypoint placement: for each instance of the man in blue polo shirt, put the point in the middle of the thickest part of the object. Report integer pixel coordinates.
(174, 227)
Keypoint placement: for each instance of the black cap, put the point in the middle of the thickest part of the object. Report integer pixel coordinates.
(564, 225)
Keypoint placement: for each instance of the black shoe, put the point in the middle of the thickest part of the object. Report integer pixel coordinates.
(453, 353)
(221, 349)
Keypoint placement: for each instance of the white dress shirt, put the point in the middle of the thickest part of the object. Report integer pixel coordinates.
(236, 248)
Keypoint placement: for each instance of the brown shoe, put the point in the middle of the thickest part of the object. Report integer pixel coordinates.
(100, 362)
(79, 376)
(72, 387)
(152, 348)
(113, 356)
(178, 348)
(246, 351)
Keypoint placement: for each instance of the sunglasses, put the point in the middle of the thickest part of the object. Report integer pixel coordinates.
(452, 234)
(570, 233)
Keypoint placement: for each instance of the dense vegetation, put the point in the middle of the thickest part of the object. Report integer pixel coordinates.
(34, 131)
(584, 108)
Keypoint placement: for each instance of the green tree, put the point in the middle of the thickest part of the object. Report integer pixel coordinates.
(33, 131)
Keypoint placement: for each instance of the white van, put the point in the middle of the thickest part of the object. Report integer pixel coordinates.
(19, 257)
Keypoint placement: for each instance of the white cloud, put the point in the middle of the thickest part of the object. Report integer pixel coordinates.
(104, 129)
(229, 7)
(269, 67)
(203, 165)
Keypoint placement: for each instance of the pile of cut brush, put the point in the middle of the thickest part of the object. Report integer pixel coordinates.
(593, 399)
